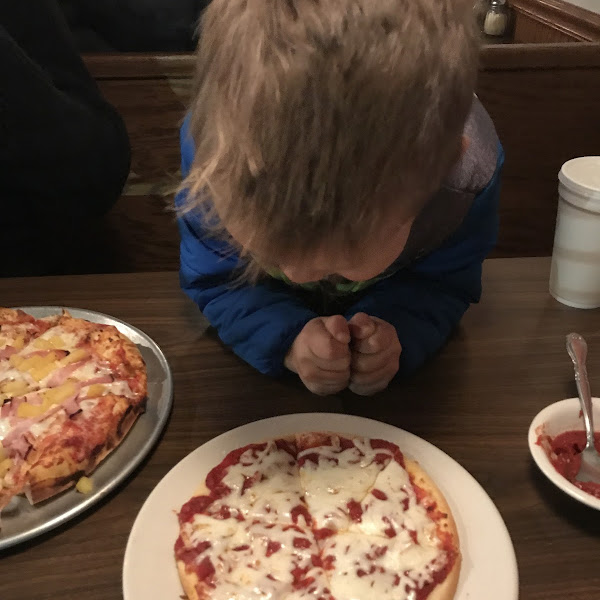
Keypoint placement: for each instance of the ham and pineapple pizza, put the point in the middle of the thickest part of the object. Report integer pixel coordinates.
(70, 390)
(318, 516)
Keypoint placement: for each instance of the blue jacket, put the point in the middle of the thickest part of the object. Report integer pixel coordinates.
(424, 298)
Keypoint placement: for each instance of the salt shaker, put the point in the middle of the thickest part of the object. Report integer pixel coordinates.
(480, 9)
(496, 19)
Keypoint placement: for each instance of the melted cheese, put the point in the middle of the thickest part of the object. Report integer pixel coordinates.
(5, 427)
(45, 425)
(247, 564)
(70, 339)
(274, 496)
(339, 477)
(400, 510)
(87, 405)
(378, 568)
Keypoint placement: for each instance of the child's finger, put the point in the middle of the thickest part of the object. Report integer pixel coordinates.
(324, 346)
(368, 363)
(337, 365)
(338, 328)
(361, 326)
(383, 373)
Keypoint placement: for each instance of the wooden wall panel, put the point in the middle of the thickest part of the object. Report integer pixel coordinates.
(541, 21)
(543, 99)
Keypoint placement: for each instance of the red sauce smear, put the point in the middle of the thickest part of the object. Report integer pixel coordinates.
(385, 445)
(355, 511)
(380, 495)
(302, 543)
(272, 547)
(323, 533)
(215, 477)
(205, 569)
(194, 506)
(564, 452)
(301, 581)
(301, 511)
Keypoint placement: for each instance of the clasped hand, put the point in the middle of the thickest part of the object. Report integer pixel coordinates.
(331, 354)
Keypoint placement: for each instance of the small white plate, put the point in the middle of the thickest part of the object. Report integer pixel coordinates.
(553, 420)
(489, 566)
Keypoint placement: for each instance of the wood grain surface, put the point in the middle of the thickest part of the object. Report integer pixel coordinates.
(553, 21)
(475, 401)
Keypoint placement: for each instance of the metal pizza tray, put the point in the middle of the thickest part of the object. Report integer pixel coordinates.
(20, 520)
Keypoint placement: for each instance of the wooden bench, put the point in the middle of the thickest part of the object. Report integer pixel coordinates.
(543, 99)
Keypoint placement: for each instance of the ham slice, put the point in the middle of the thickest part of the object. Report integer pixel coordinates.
(7, 352)
(9, 408)
(59, 377)
(20, 446)
(71, 405)
(13, 440)
(101, 379)
(16, 439)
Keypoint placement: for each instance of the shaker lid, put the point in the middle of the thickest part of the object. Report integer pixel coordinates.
(582, 174)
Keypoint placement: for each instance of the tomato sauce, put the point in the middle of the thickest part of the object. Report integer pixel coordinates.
(564, 452)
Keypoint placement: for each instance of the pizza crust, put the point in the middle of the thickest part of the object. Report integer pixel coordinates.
(447, 589)
(189, 582)
(63, 472)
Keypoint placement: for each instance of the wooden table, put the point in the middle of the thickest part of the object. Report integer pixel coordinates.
(474, 401)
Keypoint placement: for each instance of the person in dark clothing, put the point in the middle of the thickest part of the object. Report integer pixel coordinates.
(64, 150)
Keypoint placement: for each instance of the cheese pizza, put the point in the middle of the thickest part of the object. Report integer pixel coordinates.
(70, 390)
(318, 516)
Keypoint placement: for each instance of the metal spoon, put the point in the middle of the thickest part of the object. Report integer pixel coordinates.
(590, 458)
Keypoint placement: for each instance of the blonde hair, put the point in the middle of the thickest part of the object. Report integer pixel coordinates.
(313, 118)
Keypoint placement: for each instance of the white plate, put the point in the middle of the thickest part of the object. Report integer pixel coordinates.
(489, 568)
(557, 418)
(20, 520)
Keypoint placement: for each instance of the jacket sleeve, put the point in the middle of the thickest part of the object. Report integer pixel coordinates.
(259, 322)
(424, 303)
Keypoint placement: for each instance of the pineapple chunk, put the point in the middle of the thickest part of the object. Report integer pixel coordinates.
(32, 362)
(39, 373)
(43, 366)
(18, 342)
(84, 485)
(57, 341)
(59, 394)
(16, 360)
(75, 356)
(5, 466)
(53, 343)
(43, 344)
(95, 390)
(26, 410)
(16, 387)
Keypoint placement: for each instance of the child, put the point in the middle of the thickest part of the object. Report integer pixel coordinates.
(341, 185)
